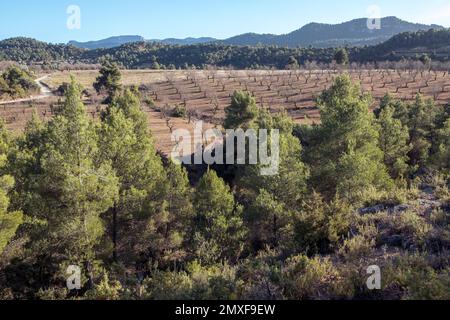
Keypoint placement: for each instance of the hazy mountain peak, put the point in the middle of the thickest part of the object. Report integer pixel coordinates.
(186, 41)
(110, 42)
(352, 33)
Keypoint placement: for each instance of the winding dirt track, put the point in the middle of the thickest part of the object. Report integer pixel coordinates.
(45, 93)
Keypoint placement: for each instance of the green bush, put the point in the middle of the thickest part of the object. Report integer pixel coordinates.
(106, 290)
(17, 83)
(417, 279)
(179, 111)
(361, 245)
(319, 226)
(196, 282)
(304, 278)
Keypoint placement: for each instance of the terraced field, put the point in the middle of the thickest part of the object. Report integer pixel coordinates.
(205, 94)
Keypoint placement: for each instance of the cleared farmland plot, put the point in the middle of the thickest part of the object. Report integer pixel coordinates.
(205, 94)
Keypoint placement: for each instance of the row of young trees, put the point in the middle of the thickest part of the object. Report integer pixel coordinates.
(98, 195)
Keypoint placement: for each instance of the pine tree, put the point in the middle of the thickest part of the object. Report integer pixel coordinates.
(341, 56)
(441, 159)
(270, 199)
(241, 112)
(345, 156)
(269, 221)
(292, 64)
(401, 111)
(9, 221)
(126, 142)
(171, 225)
(421, 124)
(109, 80)
(218, 223)
(289, 184)
(24, 161)
(393, 141)
(65, 186)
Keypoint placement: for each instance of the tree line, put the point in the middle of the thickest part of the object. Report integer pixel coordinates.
(160, 56)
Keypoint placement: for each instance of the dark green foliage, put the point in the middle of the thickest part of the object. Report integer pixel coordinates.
(292, 64)
(426, 125)
(9, 221)
(241, 111)
(218, 224)
(179, 111)
(161, 56)
(341, 56)
(17, 83)
(25, 51)
(126, 142)
(344, 153)
(63, 188)
(425, 59)
(421, 124)
(441, 159)
(319, 226)
(432, 41)
(109, 80)
(394, 142)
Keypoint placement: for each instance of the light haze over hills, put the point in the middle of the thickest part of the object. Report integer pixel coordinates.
(319, 35)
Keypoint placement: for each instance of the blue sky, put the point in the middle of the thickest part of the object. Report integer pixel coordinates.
(47, 19)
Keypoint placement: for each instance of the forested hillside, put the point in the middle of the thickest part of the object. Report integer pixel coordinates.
(27, 51)
(433, 43)
(138, 55)
(320, 35)
(155, 55)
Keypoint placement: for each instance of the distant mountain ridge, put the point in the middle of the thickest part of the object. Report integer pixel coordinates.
(318, 35)
(184, 42)
(108, 43)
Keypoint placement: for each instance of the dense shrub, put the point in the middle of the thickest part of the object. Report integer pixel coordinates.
(17, 83)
